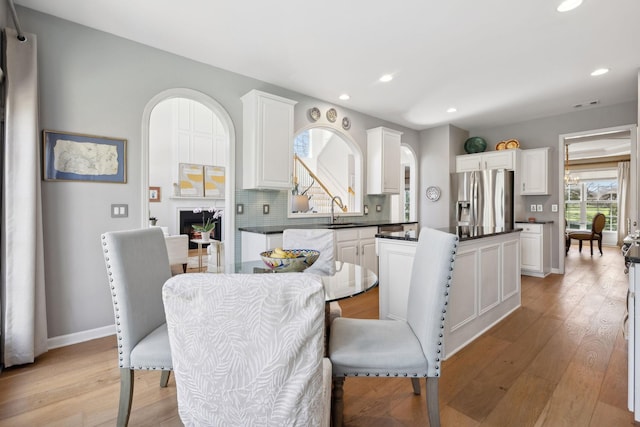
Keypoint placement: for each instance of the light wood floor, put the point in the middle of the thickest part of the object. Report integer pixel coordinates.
(559, 360)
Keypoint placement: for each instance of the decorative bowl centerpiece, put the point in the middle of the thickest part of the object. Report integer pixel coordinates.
(289, 260)
(475, 144)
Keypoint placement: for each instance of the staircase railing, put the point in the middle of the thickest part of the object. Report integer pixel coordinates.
(309, 183)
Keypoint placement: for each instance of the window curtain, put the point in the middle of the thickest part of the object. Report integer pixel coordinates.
(623, 200)
(24, 326)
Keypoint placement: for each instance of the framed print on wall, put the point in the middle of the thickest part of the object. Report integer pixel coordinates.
(191, 180)
(78, 157)
(214, 179)
(154, 194)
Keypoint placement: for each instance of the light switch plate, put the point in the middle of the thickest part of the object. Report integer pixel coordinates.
(366, 209)
(265, 209)
(540, 208)
(554, 208)
(532, 208)
(239, 208)
(378, 208)
(119, 211)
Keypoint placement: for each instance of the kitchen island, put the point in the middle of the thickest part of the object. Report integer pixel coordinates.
(485, 287)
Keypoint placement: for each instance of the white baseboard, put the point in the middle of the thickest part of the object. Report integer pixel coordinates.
(91, 334)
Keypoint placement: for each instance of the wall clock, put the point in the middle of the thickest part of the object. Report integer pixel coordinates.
(433, 193)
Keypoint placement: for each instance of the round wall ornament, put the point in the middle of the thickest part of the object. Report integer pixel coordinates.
(332, 115)
(314, 113)
(433, 193)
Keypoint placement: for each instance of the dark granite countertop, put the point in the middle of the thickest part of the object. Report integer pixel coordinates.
(534, 222)
(275, 229)
(463, 233)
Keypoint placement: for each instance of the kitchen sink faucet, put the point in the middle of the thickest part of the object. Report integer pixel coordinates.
(333, 200)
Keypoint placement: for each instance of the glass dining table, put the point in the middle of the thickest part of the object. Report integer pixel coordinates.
(349, 279)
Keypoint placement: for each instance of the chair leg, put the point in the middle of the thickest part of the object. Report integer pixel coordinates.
(184, 268)
(164, 378)
(580, 246)
(126, 396)
(600, 245)
(433, 406)
(591, 246)
(337, 402)
(415, 382)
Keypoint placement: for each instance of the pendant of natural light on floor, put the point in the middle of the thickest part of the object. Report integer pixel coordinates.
(599, 72)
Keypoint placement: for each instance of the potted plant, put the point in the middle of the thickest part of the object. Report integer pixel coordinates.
(205, 229)
(153, 220)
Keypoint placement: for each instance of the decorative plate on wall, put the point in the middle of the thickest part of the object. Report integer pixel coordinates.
(314, 113)
(332, 115)
(346, 123)
(433, 193)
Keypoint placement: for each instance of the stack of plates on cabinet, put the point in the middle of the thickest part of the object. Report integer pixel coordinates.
(510, 143)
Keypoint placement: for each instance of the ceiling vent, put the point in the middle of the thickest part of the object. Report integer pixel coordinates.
(586, 103)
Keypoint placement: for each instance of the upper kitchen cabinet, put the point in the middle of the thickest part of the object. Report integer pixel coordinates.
(534, 171)
(383, 161)
(267, 141)
(502, 159)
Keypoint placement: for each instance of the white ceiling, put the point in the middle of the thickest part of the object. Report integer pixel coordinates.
(496, 61)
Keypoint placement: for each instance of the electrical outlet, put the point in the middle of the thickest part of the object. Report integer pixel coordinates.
(554, 208)
(532, 208)
(540, 208)
(378, 208)
(239, 208)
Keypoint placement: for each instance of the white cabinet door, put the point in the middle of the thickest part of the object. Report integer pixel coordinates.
(267, 141)
(357, 245)
(254, 243)
(468, 163)
(368, 257)
(530, 259)
(503, 159)
(534, 171)
(383, 161)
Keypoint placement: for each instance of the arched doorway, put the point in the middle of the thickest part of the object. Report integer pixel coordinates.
(201, 104)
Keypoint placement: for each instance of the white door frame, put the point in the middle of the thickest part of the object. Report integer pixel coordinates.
(229, 223)
(633, 178)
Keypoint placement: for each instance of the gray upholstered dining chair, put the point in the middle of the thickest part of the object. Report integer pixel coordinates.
(248, 349)
(137, 267)
(394, 348)
(322, 240)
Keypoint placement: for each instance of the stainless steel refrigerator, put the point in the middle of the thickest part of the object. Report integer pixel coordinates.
(485, 198)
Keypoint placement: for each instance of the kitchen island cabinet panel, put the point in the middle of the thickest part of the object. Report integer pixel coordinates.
(490, 276)
(395, 264)
(484, 290)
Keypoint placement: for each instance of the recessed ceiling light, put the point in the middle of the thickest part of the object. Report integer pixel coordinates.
(345, 96)
(452, 110)
(599, 72)
(568, 5)
(386, 78)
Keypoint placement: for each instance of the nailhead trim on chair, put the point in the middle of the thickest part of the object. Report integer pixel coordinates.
(115, 303)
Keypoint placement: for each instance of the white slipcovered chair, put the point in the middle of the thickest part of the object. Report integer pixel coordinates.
(248, 349)
(322, 240)
(137, 267)
(394, 348)
(178, 250)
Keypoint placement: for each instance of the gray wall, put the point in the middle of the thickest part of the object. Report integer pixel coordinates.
(545, 132)
(95, 83)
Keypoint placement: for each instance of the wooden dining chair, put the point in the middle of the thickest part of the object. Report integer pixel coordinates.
(597, 225)
(397, 348)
